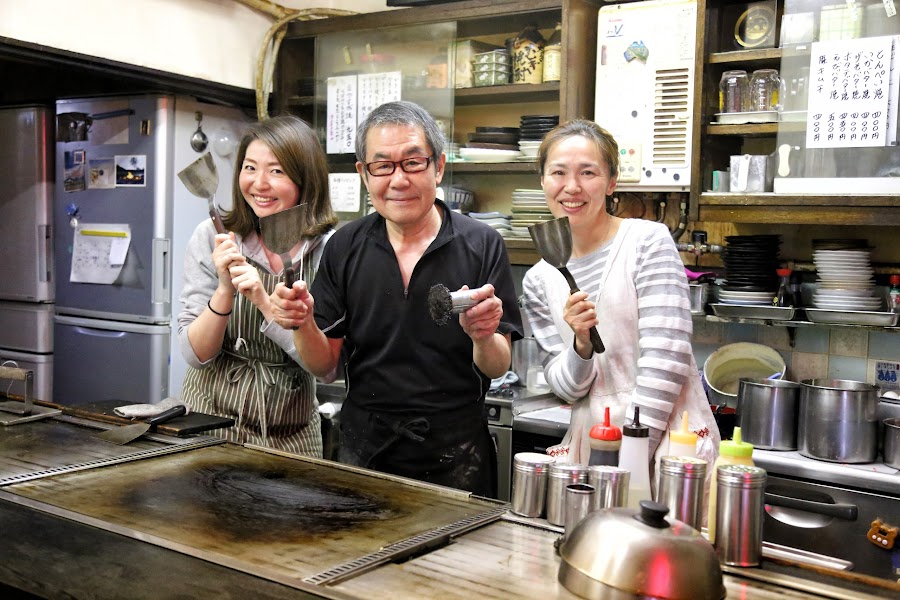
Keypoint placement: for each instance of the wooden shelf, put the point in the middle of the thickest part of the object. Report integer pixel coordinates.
(746, 129)
(529, 167)
(746, 56)
(800, 209)
(524, 92)
(521, 252)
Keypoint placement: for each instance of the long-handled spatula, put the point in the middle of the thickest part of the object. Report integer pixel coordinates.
(201, 179)
(553, 240)
(127, 433)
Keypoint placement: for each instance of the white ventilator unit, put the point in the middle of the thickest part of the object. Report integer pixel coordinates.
(645, 90)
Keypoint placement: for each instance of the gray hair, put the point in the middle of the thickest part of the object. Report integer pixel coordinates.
(401, 113)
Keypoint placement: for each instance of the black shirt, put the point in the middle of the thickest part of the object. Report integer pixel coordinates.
(399, 360)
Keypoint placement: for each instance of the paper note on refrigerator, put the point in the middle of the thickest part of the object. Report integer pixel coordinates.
(340, 128)
(98, 252)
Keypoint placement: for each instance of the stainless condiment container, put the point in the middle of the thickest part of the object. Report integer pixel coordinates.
(681, 488)
(529, 485)
(611, 485)
(739, 515)
(560, 476)
(577, 505)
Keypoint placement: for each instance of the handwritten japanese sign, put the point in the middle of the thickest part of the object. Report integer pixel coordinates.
(849, 93)
(377, 88)
(340, 129)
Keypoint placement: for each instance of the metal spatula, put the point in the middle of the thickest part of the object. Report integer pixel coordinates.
(280, 233)
(553, 240)
(127, 433)
(201, 179)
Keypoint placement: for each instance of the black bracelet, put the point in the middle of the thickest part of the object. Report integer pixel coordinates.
(209, 306)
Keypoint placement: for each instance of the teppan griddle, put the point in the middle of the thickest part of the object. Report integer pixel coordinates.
(296, 521)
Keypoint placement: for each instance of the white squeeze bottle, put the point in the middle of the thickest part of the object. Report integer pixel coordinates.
(634, 455)
(683, 441)
(731, 452)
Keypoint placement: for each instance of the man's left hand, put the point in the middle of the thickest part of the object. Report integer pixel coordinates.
(482, 320)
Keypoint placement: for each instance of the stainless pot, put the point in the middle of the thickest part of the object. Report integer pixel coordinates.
(892, 442)
(838, 420)
(767, 413)
(611, 553)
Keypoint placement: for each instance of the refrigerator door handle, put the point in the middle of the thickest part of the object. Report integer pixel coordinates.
(162, 259)
(45, 252)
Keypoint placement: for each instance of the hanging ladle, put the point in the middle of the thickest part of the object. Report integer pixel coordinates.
(199, 141)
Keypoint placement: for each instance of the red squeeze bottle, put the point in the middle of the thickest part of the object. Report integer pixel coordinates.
(606, 439)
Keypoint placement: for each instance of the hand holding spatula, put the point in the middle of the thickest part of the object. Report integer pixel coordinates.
(553, 240)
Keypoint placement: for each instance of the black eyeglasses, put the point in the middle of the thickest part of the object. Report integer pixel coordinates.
(383, 168)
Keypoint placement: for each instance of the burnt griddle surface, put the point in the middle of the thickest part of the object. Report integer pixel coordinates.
(250, 509)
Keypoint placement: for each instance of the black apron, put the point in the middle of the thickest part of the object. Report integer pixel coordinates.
(453, 449)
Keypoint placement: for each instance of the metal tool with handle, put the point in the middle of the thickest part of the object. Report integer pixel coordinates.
(127, 433)
(553, 240)
(201, 179)
(280, 233)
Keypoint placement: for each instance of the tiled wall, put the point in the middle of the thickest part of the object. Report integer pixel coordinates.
(817, 352)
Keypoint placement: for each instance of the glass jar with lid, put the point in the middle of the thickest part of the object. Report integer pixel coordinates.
(764, 86)
(734, 92)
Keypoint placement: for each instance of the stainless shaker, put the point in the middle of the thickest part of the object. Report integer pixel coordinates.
(577, 505)
(529, 485)
(739, 515)
(611, 485)
(560, 476)
(681, 488)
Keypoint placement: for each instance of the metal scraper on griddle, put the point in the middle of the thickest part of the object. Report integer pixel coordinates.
(280, 233)
(553, 240)
(127, 433)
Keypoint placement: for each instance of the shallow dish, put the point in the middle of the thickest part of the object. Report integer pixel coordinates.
(852, 317)
(772, 313)
(484, 155)
(740, 118)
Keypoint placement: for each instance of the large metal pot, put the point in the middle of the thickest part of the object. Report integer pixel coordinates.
(611, 553)
(767, 413)
(838, 420)
(726, 366)
(892, 442)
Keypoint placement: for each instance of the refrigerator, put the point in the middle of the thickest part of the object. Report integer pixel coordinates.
(124, 220)
(26, 288)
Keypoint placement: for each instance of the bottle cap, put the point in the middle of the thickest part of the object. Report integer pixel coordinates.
(607, 431)
(735, 447)
(683, 435)
(783, 272)
(636, 429)
(895, 280)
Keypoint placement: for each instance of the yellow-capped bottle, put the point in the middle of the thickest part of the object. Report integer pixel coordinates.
(683, 441)
(731, 452)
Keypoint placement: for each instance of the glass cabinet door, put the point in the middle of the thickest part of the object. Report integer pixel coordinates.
(359, 70)
(839, 81)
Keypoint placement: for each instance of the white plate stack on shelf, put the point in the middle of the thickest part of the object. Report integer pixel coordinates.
(528, 208)
(497, 220)
(845, 280)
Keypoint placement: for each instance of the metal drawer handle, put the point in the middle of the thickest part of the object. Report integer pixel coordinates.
(847, 512)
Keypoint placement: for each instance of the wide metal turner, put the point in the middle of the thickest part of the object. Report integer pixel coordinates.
(127, 433)
(553, 240)
(280, 233)
(201, 179)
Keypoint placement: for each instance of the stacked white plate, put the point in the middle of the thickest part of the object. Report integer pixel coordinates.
(845, 280)
(529, 147)
(746, 298)
(487, 155)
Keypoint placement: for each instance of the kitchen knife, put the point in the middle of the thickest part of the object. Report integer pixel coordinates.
(127, 433)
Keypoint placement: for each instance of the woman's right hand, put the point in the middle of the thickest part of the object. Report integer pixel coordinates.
(581, 314)
(226, 254)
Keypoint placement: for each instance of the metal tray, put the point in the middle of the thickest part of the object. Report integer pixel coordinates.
(743, 118)
(769, 313)
(852, 317)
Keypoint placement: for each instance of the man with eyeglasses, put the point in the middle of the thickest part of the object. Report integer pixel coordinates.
(415, 390)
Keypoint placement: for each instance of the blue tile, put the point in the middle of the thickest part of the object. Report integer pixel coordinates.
(741, 332)
(847, 367)
(884, 345)
(812, 339)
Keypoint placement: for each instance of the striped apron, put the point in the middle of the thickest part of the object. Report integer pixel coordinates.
(253, 381)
